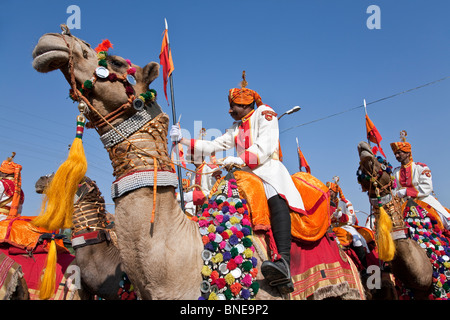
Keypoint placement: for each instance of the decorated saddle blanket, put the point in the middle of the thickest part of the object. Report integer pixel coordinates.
(319, 269)
(10, 274)
(310, 227)
(427, 230)
(22, 236)
(231, 240)
(32, 267)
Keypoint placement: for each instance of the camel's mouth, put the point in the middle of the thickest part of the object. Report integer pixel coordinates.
(49, 54)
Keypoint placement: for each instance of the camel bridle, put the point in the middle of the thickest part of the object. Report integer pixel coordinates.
(374, 176)
(77, 95)
(392, 204)
(85, 106)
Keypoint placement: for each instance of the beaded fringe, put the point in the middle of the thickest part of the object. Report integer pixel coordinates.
(134, 159)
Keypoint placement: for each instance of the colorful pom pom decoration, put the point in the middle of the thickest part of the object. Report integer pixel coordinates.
(425, 231)
(229, 264)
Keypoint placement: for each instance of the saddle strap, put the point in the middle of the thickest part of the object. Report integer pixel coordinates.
(89, 238)
(402, 233)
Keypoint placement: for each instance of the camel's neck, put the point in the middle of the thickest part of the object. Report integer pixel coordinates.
(392, 206)
(141, 148)
(89, 215)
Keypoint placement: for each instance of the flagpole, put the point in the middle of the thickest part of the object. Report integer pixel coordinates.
(174, 119)
(298, 155)
(365, 110)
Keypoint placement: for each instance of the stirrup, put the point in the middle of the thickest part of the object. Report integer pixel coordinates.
(275, 274)
(286, 288)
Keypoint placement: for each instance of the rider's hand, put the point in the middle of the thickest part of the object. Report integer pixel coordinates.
(400, 193)
(175, 133)
(187, 196)
(233, 160)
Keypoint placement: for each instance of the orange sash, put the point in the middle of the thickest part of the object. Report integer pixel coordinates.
(311, 227)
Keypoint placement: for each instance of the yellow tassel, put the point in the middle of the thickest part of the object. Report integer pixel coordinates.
(386, 247)
(47, 287)
(57, 206)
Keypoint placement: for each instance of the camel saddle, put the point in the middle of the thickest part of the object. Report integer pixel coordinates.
(23, 236)
(308, 228)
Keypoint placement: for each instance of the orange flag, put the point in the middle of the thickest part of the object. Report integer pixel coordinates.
(373, 135)
(301, 160)
(165, 59)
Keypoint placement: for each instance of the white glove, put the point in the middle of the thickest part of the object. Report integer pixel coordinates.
(338, 213)
(175, 133)
(233, 160)
(188, 196)
(400, 193)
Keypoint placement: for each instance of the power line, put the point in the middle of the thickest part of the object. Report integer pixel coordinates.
(369, 103)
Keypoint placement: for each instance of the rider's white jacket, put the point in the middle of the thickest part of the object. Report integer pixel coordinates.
(416, 178)
(255, 138)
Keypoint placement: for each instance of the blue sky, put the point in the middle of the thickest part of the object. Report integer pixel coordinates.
(319, 55)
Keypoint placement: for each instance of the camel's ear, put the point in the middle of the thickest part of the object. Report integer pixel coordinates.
(150, 72)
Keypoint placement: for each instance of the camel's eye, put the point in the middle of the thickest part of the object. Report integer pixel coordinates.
(116, 64)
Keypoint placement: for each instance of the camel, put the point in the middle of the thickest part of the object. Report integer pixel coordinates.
(159, 245)
(98, 258)
(410, 264)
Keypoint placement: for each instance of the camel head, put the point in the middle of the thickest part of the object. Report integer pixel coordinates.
(373, 172)
(43, 183)
(54, 51)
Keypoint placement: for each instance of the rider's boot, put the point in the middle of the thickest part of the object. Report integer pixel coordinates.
(278, 272)
(361, 254)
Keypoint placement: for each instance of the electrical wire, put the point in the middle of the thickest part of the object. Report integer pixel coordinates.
(368, 103)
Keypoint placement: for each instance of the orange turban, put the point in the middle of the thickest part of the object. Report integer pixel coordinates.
(244, 96)
(402, 146)
(9, 167)
(334, 187)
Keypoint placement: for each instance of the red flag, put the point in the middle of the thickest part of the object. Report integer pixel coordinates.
(165, 59)
(373, 135)
(302, 161)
